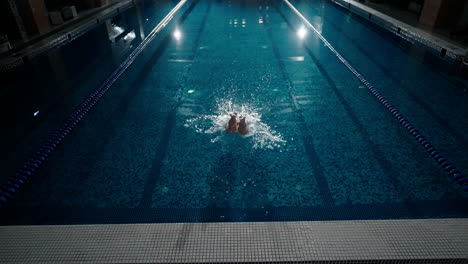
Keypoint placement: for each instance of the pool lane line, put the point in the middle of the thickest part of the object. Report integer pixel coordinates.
(32, 164)
(383, 163)
(444, 163)
(456, 135)
(155, 170)
(317, 168)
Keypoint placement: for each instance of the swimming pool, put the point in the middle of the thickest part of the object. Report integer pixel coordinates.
(320, 146)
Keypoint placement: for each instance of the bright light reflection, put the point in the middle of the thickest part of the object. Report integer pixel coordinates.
(130, 36)
(177, 34)
(118, 30)
(302, 32)
(36, 113)
(190, 91)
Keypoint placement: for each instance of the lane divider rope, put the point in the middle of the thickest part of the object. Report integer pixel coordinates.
(24, 173)
(443, 161)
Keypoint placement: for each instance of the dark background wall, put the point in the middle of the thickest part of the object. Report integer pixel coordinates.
(8, 25)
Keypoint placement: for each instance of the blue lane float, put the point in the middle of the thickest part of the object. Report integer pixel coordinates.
(443, 162)
(38, 158)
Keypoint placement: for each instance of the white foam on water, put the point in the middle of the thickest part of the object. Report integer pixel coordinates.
(261, 134)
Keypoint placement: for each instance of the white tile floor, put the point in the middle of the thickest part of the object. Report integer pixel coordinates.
(428, 239)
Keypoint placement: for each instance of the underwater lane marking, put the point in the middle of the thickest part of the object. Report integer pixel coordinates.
(296, 58)
(41, 155)
(304, 96)
(155, 172)
(378, 154)
(448, 166)
(305, 102)
(318, 170)
(384, 164)
(284, 111)
(300, 81)
(175, 60)
(397, 80)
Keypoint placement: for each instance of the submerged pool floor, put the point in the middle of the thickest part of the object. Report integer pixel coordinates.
(319, 147)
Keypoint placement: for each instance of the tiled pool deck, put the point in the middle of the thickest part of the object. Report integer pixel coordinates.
(422, 241)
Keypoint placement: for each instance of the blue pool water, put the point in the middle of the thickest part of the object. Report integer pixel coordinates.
(320, 146)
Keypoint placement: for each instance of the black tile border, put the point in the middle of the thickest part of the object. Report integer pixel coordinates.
(56, 215)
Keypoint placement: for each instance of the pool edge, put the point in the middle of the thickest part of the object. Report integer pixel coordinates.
(421, 240)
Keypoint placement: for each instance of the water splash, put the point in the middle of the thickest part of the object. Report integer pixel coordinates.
(262, 135)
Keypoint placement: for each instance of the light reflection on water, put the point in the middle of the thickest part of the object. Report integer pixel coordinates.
(261, 134)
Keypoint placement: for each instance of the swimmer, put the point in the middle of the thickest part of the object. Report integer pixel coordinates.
(232, 125)
(242, 126)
